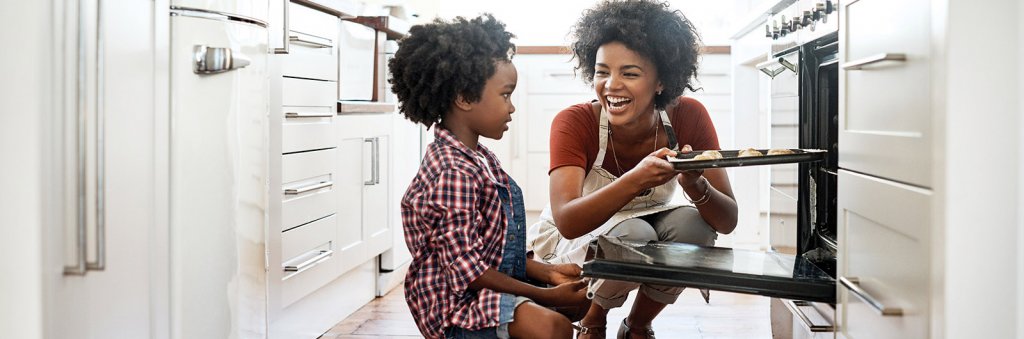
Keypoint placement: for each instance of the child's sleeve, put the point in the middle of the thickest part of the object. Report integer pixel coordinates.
(454, 197)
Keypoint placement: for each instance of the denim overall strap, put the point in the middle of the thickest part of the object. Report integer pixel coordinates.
(513, 258)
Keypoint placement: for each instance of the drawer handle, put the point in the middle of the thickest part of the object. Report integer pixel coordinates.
(794, 306)
(859, 64)
(307, 188)
(307, 115)
(309, 263)
(310, 41)
(853, 284)
(374, 162)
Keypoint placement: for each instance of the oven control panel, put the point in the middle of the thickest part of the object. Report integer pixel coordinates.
(802, 21)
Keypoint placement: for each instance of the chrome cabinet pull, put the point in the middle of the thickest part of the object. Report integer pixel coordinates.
(859, 64)
(307, 188)
(82, 264)
(853, 284)
(375, 161)
(301, 38)
(307, 115)
(213, 60)
(794, 306)
(309, 263)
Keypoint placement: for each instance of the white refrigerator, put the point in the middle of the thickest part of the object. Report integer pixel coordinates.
(218, 175)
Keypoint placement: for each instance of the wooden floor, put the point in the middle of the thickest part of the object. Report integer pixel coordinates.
(728, 315)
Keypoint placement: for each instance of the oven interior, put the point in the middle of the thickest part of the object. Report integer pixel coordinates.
(818, 129)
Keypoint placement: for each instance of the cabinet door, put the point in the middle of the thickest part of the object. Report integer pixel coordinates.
(351, 248)
(376, 197)
(885, 105)
(883, 228)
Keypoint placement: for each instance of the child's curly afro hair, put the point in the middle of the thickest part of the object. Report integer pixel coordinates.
(649, 28)
(441, 60)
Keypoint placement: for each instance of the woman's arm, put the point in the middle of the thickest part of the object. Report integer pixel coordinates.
(576, 215)
(718, 207)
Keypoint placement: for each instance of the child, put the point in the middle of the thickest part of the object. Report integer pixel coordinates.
(463, 215)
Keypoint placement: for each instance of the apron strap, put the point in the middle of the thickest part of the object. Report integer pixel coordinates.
(673, 143)
(602, 133)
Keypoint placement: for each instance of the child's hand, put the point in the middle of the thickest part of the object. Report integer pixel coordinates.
(563, 273)
(571, 293)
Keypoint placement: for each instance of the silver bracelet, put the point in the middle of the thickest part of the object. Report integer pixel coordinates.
(705, 198)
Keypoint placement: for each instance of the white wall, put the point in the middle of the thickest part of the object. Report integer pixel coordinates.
(21, 96)
(1020, 175)
(547, 22)
(983, 170)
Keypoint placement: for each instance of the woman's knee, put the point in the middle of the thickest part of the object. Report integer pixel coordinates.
(634, 229)
(684, 224)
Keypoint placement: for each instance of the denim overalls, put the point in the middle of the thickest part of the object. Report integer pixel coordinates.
(513, 262)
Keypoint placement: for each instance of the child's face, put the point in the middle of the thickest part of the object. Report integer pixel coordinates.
(491, 115)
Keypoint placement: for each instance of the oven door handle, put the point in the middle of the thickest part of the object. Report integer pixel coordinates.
(859, 64)
(853, 284)
(767, 66)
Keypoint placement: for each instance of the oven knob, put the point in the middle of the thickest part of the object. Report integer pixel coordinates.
(767, 31)
(819, 9)
(808, 18)
(829, 7)
(794, 25)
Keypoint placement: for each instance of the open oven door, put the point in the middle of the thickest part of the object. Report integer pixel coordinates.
(769, 274)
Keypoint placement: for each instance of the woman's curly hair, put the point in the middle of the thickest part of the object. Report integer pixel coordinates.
(441, 60)
(649, 28)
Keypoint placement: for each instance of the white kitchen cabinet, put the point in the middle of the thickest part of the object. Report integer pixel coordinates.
(364, 225)
(885, 119)
(884, 288)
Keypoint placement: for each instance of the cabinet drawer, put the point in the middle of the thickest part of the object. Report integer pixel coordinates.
(885, 111)
(884, 233)
(305, 20)
(310, 179)
(307, 128)
(308, 93)
(310, 62)
(309, 259)
(306, 165)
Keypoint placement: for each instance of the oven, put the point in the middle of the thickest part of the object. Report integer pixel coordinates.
(804, 113)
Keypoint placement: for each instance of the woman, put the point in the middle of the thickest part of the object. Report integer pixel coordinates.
(609, 174)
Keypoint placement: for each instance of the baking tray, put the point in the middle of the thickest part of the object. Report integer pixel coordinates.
(683, 161)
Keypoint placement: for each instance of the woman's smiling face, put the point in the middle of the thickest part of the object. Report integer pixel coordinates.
(625, 82)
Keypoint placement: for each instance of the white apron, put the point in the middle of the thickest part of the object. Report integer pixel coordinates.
(549, 245)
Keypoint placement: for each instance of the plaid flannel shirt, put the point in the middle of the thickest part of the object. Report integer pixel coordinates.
(455, 229)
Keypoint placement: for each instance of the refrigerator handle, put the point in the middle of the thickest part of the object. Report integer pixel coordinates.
(213, 60)
(82, 116)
